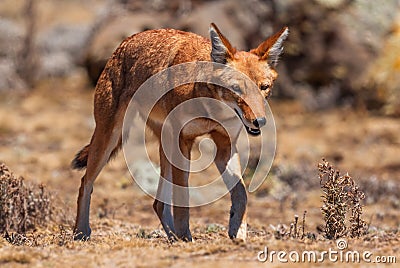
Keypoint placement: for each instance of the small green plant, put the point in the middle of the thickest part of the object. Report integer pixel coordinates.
(340, 193)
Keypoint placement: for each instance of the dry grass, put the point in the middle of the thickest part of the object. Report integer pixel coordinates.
(148, 246)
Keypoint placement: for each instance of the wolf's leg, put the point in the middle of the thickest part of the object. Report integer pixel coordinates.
(228, 164)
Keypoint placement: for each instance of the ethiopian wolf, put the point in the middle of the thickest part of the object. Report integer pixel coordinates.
(143, 55)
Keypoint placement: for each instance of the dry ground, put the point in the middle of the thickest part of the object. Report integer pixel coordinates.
(41, 131)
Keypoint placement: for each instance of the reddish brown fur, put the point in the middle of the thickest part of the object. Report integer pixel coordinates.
(138, 58)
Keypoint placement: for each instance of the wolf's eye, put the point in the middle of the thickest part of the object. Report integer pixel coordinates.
(236, 88)
(264, 87)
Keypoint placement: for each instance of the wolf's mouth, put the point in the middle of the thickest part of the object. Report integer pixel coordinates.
(251, 131)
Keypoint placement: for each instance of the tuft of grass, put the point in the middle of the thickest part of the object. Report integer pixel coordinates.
(214, 228)
(147, 234)
(340, 193)
(295, 231)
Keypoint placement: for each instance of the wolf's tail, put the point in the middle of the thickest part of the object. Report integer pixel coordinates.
(80, 160)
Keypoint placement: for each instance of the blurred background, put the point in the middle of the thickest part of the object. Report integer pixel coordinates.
(339, 52)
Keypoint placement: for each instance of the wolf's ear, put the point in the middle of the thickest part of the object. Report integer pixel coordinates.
(271, 48)
(222, 50)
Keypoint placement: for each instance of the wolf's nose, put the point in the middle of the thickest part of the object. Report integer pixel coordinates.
(260, 122)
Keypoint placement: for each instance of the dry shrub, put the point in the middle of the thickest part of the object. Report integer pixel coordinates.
(358, 226)
(339, 193)
(22, 207)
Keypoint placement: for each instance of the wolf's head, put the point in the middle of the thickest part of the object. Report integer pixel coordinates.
(257, 64)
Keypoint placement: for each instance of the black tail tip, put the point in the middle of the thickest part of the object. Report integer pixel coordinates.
(78, 164)
(80, 160)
